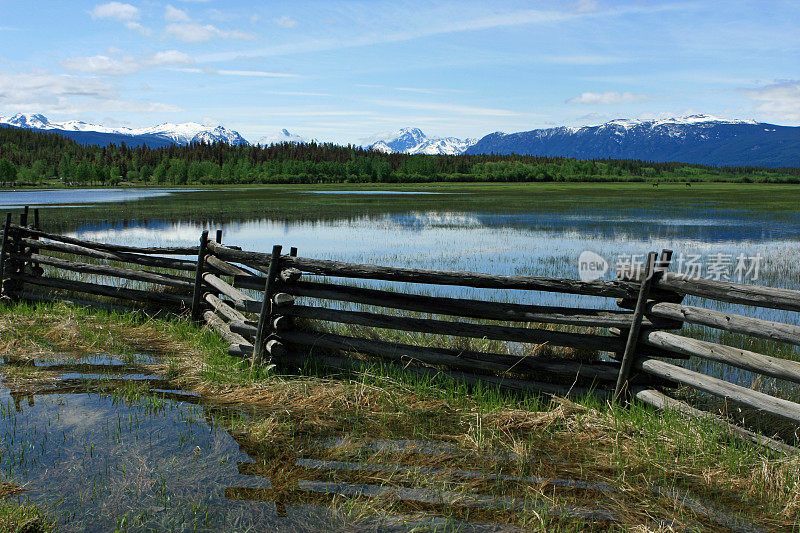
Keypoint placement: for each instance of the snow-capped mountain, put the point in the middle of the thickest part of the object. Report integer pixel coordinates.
(283, 136)
(160, 135)
(413, 141)
(701, 139)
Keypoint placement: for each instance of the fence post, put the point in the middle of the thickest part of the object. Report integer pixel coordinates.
(219, 236)
(3, 251)
(264, 319)
(198, 276)
(636, 324)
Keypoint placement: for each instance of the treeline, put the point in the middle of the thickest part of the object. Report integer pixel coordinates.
(30, 157)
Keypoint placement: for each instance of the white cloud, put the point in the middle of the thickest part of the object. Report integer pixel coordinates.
(173, 14)
(135, 26)
(607, 98)
(44, 92)
(116, 11)
(191, 32)
(286, 22)
(449, 108)
(247, 73)
(780, 100)
(102, 64)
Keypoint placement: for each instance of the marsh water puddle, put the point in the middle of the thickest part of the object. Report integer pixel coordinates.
(100, 459)
(104, 445)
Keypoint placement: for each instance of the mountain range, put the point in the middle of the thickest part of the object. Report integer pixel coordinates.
(413, 141)
(700, 139)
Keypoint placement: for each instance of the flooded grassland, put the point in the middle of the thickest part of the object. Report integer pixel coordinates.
(118, 421)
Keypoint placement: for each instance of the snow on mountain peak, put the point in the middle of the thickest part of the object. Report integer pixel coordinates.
(283, 136)
(183, 133)
(414, 141)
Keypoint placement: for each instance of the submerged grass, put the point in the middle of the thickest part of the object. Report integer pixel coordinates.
(649, 461)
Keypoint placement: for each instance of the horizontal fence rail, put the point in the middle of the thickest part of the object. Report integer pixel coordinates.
(285, 310)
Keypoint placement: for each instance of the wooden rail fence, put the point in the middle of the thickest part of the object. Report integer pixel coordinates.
(275, 308)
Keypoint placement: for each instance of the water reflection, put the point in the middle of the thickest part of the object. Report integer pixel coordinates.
(65, 197)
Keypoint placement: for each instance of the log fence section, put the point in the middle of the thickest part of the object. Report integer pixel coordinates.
(249, 298)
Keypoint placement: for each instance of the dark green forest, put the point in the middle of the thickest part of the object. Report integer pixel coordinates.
(30, 158)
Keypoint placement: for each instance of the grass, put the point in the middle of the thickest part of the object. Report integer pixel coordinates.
(290, 203)
(280, 419)
(21, 517)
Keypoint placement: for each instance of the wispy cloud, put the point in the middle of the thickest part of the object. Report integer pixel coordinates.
(442, 26)
(125, 13)
(246, 73)
(608, 98)
(45, 92)
(449, 108)
(286, 22)
(173, 14)
(780, 100)
(192, 32)
(125, 64)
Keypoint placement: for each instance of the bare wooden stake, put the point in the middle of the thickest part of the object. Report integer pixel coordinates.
(264, 322)
(293, 251)
(633, 333)
(219, 236)
(3, 252)
(198, 277)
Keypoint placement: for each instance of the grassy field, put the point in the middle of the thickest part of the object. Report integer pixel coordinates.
(223, 204)
(641, 464)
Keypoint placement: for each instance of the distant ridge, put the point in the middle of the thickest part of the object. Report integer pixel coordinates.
(413, 141)
(154, 137)
(699, 139)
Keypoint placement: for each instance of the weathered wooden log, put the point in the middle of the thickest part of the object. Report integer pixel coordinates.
(256, 283)
(138, 259)
(463, 307)
(225, 267)
(633, 333)
(197, 292)
(756, 327)
(275, 349)
(718, 387)
(566, 369)
(246, 329)
(170, 250)
(219, 325)
(745, 359)
(664, 402)
(613, 289)
(502, 382)
(244, 351)
(149, 310)
(460, 329)
(281, 300)
(263, 329)
(168, 280)
(3, 252)
(107, 290)
(290, 275)
(737, 293)
(240, 299)
(224, 309)
(643, 349)
(282, 323)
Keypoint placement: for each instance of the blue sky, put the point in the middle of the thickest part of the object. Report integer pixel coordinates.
(343, 71)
